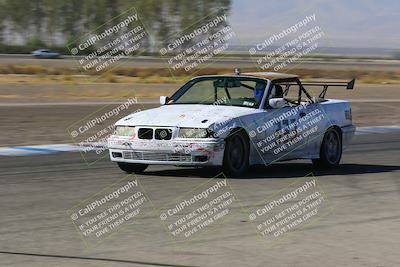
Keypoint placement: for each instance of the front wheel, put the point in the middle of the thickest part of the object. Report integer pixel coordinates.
(236, 155)
(330, 151)
(132, 167)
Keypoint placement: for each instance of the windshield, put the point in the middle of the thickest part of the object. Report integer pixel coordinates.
(243, 92)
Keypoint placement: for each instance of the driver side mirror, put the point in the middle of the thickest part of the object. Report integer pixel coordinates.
(277, 102)
(163, 100)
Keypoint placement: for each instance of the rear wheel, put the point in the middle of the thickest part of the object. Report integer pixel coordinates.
(236, 155)
(132, 167)
(331, 150)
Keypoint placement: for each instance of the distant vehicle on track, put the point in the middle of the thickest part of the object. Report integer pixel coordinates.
(45, 53)
(235, 121)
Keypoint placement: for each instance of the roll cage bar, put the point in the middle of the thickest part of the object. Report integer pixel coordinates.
(296, 81)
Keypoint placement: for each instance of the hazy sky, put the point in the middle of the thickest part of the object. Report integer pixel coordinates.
(346, 23)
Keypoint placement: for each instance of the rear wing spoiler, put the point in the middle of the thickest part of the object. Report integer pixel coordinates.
(349, 85)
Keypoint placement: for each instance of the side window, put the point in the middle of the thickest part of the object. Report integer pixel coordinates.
(276, 91)
(291, 93)
(288, 89)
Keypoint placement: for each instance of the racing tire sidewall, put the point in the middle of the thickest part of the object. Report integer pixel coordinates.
(236, 154)
(331, 149)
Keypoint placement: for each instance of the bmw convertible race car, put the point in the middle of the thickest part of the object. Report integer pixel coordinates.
(235, 121)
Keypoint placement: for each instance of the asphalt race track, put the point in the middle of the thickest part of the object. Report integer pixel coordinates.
(156, 62)
(363, 226)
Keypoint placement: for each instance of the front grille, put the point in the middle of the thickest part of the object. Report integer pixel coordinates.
(145, 133)
(156, 156)
(163, 134)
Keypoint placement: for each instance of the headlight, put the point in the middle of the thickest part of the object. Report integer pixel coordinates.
(124, 131)
(193, 133)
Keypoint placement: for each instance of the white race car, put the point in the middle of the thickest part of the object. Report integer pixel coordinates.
(235, 121)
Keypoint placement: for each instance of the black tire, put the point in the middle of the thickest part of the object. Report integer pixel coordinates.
(132, 167)
(236, 154)
(330, 151)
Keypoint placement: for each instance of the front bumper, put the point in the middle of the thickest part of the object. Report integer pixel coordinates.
(181, 152)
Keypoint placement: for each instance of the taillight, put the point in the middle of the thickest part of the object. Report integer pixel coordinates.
(347, 114)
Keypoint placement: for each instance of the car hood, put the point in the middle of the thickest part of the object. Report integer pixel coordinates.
(185, 115)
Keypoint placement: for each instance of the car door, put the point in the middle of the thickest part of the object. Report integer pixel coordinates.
(316, 121)
(275, 135)
(287, 140)
(282, 137)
